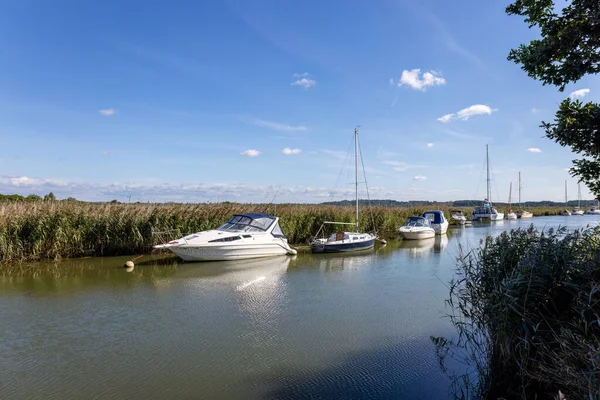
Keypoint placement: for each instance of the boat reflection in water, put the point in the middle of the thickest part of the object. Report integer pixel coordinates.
(425, 247)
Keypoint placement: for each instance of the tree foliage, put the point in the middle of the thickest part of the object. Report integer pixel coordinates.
(568, 50)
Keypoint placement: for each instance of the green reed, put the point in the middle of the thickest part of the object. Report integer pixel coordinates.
(31, 231)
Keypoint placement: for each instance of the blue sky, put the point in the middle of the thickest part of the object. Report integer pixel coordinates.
(236, 100)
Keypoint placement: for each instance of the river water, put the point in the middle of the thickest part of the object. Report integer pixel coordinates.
(309, 326)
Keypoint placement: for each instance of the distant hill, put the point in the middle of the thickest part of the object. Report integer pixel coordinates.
(457, 203)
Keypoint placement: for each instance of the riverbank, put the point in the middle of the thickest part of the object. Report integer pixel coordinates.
(32, 231)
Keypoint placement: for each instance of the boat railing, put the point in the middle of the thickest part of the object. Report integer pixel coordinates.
(330, 223)
(161, 237)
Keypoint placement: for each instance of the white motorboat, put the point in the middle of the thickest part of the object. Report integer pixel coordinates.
(457, 217)
(522, 213)
(251, 235)
(566, 212)
(438, 221)
(417, 228)
(510, 215)
(344, 241)
(577, 210)
(487, 212)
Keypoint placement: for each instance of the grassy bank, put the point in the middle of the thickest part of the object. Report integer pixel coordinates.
(64, 229)
(527, 311)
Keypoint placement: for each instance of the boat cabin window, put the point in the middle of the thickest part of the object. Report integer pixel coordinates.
(242, 223)
(225, 239)
(277, 232)
(417, 221)
(336, 237)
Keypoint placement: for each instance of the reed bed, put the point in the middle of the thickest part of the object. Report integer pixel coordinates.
(31, 231)
(526, 306)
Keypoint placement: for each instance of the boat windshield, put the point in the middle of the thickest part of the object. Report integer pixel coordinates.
(417, 221)
(243, 223)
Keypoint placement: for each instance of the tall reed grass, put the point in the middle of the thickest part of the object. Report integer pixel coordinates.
(31, 231)
(527, 313)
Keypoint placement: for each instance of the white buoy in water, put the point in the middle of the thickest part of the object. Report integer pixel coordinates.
(129, 264)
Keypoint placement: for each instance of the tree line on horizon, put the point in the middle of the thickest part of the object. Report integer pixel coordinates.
(342, 203)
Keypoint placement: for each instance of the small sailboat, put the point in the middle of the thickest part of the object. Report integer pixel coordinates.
(417, 228)
(438, 221)
(510, 215)
(344, 241)
(457, 217)
(566, 212)
(487, 212)
(577, 210)
(520, 212)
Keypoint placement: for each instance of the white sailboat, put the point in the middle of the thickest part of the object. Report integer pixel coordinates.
(566, 211)
(487, 212)
(520, 212)
(510, 215)
(577, 210)
(344, 241)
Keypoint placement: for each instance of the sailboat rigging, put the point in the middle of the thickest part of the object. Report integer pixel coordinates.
(487, 212)
(345, 241)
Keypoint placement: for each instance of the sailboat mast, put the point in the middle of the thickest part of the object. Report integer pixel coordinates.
(519, 189)
(509, 195)
(578, 194)
(356, 172)
(487, 160)
(565, 194)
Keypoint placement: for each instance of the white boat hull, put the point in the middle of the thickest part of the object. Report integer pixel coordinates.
(416, 234)
(593, 212)
(580, 212)
(565, 214)
(511, 216)
(440, 229)
(228, 252)
(488, 217)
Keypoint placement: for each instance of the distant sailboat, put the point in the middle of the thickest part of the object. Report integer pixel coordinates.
(521, 213)
(566, 211)
(487, 212)
(578, 210)
(510, 214)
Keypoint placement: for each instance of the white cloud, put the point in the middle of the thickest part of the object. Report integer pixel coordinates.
(24, 181)
(402, 166)
(277, 126)
(535, 110)
(445, 118)
(287, 151)
(104, 154)
(415, 80)
(303, 80)
(198, 192)
(534, 150)
(420, 178)
(430, 145)
(466, 113)
(578, 94)
(251, 153)
(107, 112)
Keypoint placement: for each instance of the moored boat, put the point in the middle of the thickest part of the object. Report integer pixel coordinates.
(457, 217)
(487, 212)
(417, 228)
(510, 215)
(577, 210)
(520, 212)
(437, 220)
(251, 235)
(344, 241)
